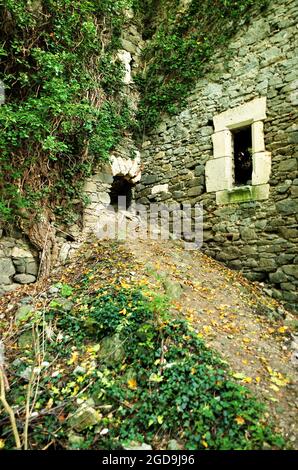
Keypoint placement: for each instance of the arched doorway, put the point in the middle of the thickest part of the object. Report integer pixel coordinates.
(121, 193)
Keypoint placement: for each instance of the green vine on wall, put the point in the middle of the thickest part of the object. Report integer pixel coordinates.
(64, 107)
(184, 37)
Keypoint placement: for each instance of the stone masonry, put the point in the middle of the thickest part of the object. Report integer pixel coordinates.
(18, 264)
(250, 229)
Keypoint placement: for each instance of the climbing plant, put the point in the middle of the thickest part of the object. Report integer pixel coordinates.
(181, 40)
(64, 109)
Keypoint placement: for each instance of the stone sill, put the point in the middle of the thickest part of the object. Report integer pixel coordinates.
(241, 194)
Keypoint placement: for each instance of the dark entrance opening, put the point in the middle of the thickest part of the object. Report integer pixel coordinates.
(242, 156)
(121, 193)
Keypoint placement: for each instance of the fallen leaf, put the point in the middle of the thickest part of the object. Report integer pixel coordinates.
(239, 420)
(74, 358)
(247, 380)
(132, 384)
(274, 387)
(282, 329)
(239, 376)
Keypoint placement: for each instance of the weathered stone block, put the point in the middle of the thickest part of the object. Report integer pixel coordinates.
(288, 165)
(160, 188)
(278, 277)
(4, 280)
(258, 144)
(247, 234)
(287, 206)
(222, 144)
(7, 268)
(261, 168)
(32, 267)
(24, 278)
(84, 417)
(150, 179)
(90, 187)
(219, 174)
(291, 270)
(242, 115)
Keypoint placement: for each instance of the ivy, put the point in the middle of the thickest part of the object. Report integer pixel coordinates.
(64, 107)
(179, 47)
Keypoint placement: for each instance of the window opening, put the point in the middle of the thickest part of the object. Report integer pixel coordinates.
(242, 156)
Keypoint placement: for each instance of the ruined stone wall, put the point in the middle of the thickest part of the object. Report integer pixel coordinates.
(124, 162)
(18, 263)
(258, 237)
(125, 159)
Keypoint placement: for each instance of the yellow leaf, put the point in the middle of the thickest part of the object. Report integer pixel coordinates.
(204, 443)
(282, 329)
(207, 329)
(2, 443)
(280, 381)
(274, 387)
(75, 391)
(258, 379)
(160, 419)
(132, 384)
(123, 312)
(247, 380)
(50, 404)
(125, 285)
(239, 420)
(74, 358)
(246, 340)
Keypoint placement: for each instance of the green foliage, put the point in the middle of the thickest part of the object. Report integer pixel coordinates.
(179, 387)
(169, 385)
(64, 107)
(182, 43)
(116, 345)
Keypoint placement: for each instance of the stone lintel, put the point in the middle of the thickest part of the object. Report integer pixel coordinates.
(242, 115)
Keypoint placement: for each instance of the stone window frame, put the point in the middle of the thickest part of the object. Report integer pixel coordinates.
(219, 170)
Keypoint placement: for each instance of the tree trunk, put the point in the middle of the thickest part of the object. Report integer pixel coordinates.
(42, 235)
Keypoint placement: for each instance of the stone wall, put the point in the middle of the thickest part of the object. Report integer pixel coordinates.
(125, 162)
(18, 264)
(258, 237)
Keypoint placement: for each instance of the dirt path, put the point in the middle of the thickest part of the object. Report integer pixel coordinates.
(227, 311)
